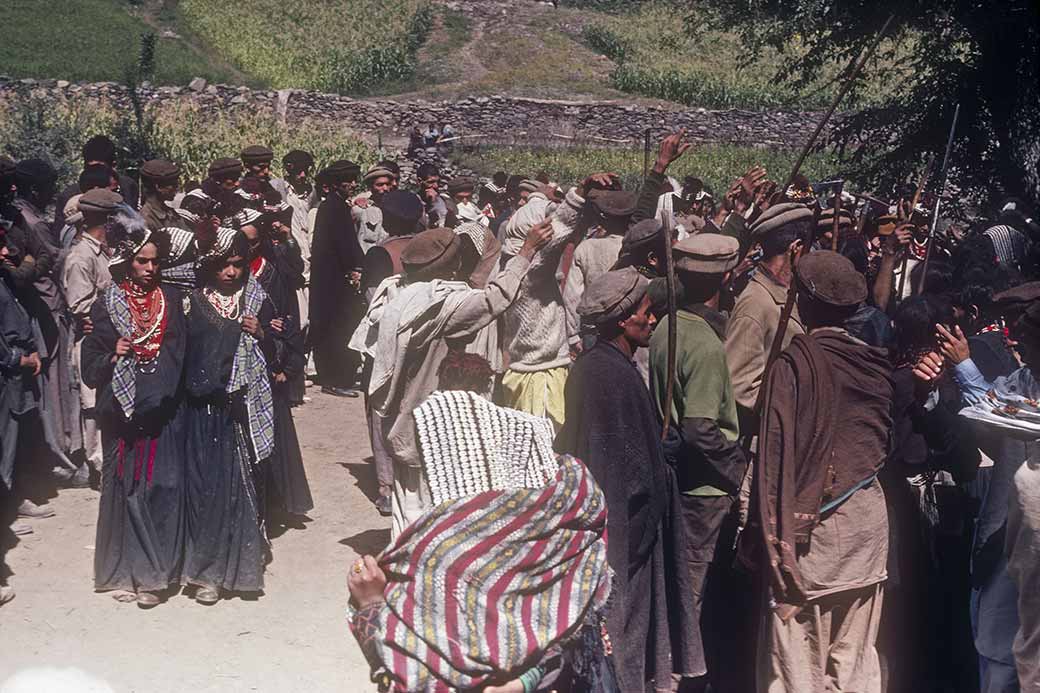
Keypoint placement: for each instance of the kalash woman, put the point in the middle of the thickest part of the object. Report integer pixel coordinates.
(134, 358)
(230, 423)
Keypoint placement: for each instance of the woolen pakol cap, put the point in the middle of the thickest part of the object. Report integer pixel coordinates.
(225, 167)
(461, 184)
(256, 154)
(378, 171)
(612, 295)
(99, 201)
(825, 222)
(641, 233)
(159, 170)
(401, 204)
(707, 253)
(831, 278)
(778, 216)
(613, 203)
(430, 251)
(298, 158)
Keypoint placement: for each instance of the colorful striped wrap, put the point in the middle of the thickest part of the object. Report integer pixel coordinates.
(482, 586)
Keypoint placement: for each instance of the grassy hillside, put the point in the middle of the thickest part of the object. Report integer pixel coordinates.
(93, 40)
(716, 165)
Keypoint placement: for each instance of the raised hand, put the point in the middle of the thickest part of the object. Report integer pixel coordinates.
(672, 147)
(537, 238)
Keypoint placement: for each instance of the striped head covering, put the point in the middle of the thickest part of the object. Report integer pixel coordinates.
(249, 372)
(484, 585)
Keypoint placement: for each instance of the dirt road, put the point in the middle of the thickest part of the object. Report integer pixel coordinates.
(293, 638)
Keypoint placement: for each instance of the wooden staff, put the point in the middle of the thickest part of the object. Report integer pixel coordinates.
(646, 153)
(837, 216)
(913, 205)
(855, 68)
(938, 200)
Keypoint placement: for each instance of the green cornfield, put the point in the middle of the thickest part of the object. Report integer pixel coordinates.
(716, 165)
(179, 133)
(345, 47)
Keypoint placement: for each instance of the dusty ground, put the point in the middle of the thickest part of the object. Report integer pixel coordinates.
(293, 638)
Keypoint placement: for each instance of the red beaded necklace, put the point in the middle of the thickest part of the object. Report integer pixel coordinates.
(148, 313)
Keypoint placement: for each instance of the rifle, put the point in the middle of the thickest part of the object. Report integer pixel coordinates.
(913, 205)
(938, 200)
(855, 68)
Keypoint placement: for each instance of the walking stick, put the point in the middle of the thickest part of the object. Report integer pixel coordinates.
(673, 327)
(913, 205)
(855, 68)
(646, 153)
(938, 200)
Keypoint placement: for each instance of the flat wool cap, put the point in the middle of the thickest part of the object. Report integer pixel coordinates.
(99, 201)
(341, 170)
(1017, 298)
(159, 171)
(825, 222)
(225, 167)
(778, 216)
(707, 253)
(256, 154)
(529, 186)
(298, 159)
(641, 234)
(612, 295)
(461, 184)
(831, 278)
(378, 171)
(613, 203)
(431, 252)
(401, 204)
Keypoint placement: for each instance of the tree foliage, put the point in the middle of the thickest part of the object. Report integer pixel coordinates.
(938, 53)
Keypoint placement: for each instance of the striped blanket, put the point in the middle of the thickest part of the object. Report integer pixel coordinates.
(482, 586)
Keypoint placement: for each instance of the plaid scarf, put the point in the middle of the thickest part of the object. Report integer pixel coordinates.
(486, 584)
(124, 378)
(249, 371)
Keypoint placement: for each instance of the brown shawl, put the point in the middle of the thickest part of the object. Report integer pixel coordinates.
(824, 433)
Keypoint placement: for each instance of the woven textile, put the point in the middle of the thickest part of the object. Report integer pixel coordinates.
(484, 585)
(249, 371)
(124, 379)
(471, 446)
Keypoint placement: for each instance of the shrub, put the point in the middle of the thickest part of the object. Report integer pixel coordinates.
(181, 133)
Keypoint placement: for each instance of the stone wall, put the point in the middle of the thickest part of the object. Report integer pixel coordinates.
(494, 117)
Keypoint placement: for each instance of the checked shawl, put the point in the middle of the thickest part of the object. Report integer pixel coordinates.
(485, 584)
(249, 371)
(124, 378)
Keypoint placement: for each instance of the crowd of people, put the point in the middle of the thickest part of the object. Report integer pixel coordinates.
(779, 440)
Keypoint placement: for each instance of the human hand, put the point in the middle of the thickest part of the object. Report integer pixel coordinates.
(672, 147)
(514, 686)
(537, 238)
(927, 370)
(355, 279)
(251, 326)
(607, 181)
(366, 582)
(31, 362)
(953, 345)
(362, 202)
(123, 346)
(752, 180)
(763, 193)
(86, 325)
(280, 377)
(278, 325)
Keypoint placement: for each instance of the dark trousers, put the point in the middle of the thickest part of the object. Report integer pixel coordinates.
(337, 365)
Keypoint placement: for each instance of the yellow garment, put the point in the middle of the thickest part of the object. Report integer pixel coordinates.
(537, 392)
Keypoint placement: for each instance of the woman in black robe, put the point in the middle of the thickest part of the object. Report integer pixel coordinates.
(134, 358)
(230, 426)
(277, 265)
